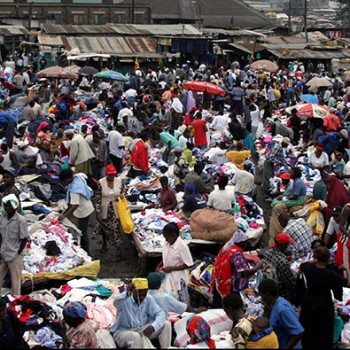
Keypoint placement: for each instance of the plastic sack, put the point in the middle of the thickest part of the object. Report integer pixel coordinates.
(124, 214)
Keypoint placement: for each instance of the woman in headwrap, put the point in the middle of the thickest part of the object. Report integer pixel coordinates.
(199, 331)
(43, 141)
(80, 334)
(231, 270)
(192, 200)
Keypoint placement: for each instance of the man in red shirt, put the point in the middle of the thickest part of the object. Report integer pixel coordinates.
(199, 129)
(139, 156)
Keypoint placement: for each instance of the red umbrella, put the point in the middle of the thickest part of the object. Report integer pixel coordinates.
(312, 110)
(203, 86)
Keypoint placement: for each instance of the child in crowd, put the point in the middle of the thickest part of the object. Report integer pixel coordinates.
(262, 335)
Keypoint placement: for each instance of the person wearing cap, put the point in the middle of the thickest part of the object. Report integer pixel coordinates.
(80, 333)
(276, 156)
(333, 227)
(277, 267)
(231, 270)
(318, 158)
(165, 301)
(138, 316)
(300, 232)
(99, 148)
(116, 146)
(10, 328)
(283, 318)
(13, 238)
(80, 154)
(109, 190)
(317, 307)
(285, 187)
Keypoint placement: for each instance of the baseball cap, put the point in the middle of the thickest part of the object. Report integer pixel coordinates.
(283, 238)
(285, 176)
(110, 170)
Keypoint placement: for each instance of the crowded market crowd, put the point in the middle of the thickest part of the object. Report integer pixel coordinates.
(170, 156)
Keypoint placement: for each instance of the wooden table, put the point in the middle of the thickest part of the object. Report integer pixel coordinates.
(145, 253)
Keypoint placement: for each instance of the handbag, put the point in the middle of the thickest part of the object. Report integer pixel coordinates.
(124, 214)
(299, 290)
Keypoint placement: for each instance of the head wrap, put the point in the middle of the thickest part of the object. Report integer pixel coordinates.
(42, 125)
(240, 236)
(12, 199)
(155, 279)
(140, 283)
(74, 309)
(199, 331)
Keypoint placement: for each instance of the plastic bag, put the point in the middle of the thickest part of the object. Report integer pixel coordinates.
(125, 215)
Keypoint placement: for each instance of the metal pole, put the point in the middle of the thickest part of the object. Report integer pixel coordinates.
(132, 11)
(305, 20)
(30, 16)
(289, 15)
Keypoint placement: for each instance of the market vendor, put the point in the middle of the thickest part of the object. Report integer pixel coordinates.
(138, 316)
(167, 199)
(298, 195)
(8, 184)
(13, 238)
(176, 259)
(80, 333)
(318, 158)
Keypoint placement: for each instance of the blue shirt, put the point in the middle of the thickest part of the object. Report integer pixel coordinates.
(5, 118)
(131, 316)
(168, 303)
(299, 187)
(330, 142)
(285, 323)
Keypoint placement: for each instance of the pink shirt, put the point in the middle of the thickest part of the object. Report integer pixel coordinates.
(177, 255)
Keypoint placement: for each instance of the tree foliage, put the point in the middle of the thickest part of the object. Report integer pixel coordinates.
(343, 13)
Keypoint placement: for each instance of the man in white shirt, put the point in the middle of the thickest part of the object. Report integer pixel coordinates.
(220, 122)
(124, 113)
(222, 199)
(116, 146)
(217, 155)
(244, 181)
(130, 96)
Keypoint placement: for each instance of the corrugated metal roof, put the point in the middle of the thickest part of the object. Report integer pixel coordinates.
(116, 46)
(50, 40)
(123, 29)
(13, 30)
(310, 54)
(247, 47)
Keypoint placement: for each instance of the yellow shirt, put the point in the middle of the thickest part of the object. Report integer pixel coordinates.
(270, 341)
(238, 157)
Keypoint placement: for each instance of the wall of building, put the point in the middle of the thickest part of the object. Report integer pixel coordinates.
(73, 12)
